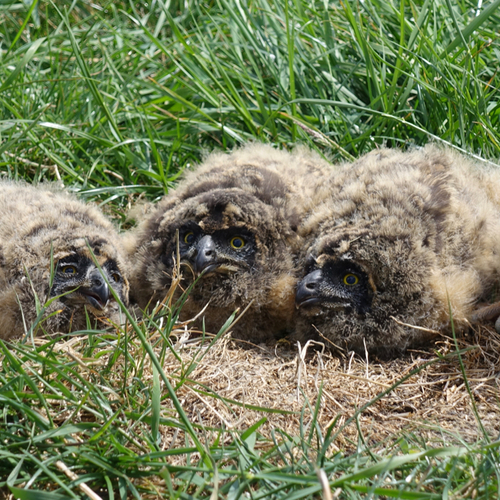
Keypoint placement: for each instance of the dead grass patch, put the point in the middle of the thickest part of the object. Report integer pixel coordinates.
(235, 387)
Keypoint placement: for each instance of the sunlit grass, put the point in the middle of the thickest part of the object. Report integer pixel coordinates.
(114, 99)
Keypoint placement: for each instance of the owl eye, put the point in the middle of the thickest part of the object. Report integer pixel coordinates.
(116, 277)
(189, 238)
(69, 270)
(351, 279)
(237, 242)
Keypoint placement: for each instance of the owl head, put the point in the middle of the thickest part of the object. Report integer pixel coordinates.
(403, 239)
(231, 227)
(228, 239)
(62, 251)
(358, 288)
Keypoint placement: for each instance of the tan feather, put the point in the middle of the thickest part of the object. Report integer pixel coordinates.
(421, 228)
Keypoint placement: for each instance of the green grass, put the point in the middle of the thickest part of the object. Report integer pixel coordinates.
(100, 414)
(115, 99)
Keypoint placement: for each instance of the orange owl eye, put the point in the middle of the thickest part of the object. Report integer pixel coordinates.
(237, 242)
(189, 238)
(116, 277)
(69, 270)
(351, 279)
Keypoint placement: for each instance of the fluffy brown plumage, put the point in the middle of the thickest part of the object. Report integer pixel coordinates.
(400, 234)
(236, 216)
(36, 222)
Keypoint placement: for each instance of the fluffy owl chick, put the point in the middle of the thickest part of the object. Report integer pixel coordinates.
(236, 217)
(42, 229)
(402, 236)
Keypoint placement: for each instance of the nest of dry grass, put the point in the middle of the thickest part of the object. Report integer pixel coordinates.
(283, 383)
(233, 387)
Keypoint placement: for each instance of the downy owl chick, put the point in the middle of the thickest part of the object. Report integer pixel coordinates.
(46, 233)
(403, 237)
(236, 216)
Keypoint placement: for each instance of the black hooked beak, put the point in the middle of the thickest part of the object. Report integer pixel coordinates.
(206, 259)
(308, 289)
(98, 292)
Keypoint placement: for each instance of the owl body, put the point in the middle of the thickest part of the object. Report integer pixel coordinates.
(236, 216)
(403, 238)
(47, 238)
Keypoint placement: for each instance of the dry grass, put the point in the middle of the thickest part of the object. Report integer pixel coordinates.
(279, 378)
(233, 387)
(367, 407)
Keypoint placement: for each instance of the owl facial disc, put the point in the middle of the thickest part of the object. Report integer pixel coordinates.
(338, 284)
(80, 282)
(223, 251)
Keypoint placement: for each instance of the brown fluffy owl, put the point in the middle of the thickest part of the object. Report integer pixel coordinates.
(46, 239)
(236, 216)
(402, 237)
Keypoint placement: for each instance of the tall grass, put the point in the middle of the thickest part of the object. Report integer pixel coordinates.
(114, 99)
(127, 94)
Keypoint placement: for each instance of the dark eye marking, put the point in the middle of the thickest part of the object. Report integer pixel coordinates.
(69, 266)
(111, 268)
(189, 233)
(69, 270)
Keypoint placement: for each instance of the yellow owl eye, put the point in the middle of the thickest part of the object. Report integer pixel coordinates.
(69, 270)
(237, 242)
(116, 277)
(351, 279)
(189, 238)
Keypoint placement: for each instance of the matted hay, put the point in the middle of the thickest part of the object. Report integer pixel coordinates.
(281, 378)
(434, 403)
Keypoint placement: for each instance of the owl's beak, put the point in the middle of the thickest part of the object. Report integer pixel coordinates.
(206, 259)
(97, 294)
(308, 292)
